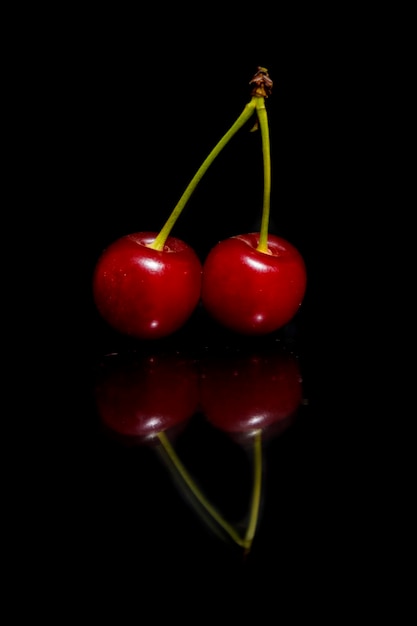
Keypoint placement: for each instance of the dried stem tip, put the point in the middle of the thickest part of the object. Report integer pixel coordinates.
(262, 83)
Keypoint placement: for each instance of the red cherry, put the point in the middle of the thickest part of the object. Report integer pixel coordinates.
(241, 394)
(139, 398)
(147, 293)
(253, 292)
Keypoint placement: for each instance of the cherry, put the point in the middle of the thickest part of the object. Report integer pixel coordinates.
(145, 292)
(141, 397)
(254, 283)
(253, 292)
(244, 394)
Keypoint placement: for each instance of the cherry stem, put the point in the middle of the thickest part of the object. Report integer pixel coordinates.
(159, 242)
(262, 86)
(257, 485)
(173, 457)
(263, 124)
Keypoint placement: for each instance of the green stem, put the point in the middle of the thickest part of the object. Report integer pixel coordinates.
(172, 455)
(263, 124)
(159, 241)
(257, 485)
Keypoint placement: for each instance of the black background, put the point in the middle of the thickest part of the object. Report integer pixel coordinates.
(124, 113)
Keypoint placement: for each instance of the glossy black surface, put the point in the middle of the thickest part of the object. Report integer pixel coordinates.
(124, 516)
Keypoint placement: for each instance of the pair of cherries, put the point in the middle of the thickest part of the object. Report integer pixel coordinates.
(147, 285)
(149, 294)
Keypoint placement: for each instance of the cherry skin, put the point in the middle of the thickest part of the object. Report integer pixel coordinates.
(143, 292)
(138, 398)
(241, 394)
(253, 292)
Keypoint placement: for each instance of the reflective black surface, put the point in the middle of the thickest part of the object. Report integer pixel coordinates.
(131, 508)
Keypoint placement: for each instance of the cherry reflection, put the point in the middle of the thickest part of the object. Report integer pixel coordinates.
(244, 394)
(251, 397)
(139, 397)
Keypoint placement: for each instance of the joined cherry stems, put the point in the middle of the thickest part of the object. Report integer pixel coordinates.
(255, 499)
(260, 92)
